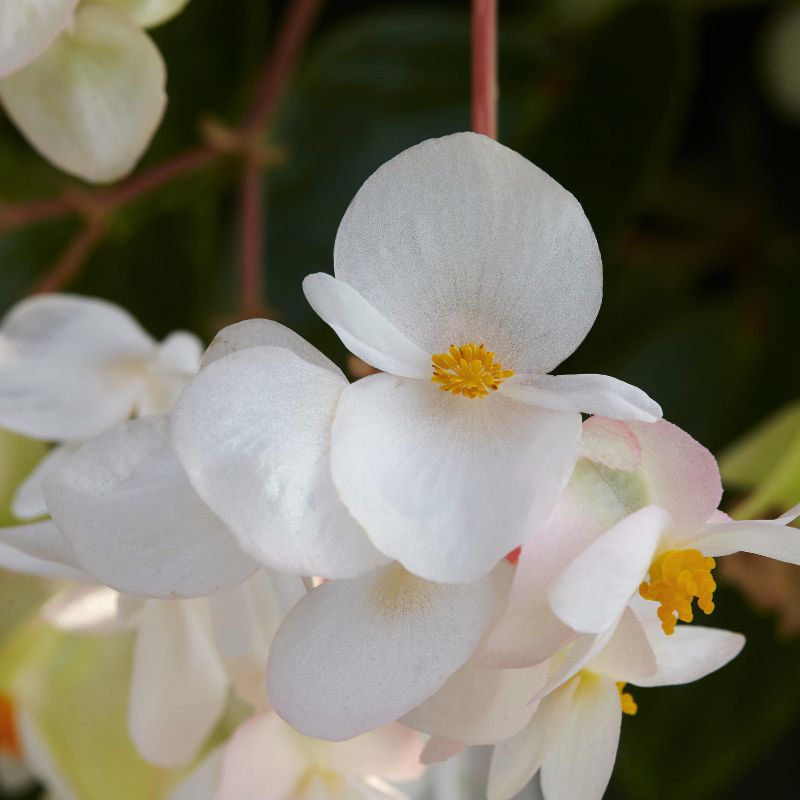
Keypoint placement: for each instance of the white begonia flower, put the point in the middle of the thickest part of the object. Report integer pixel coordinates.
(356, 654)
(72, 367)
(267, 760)
(91, 102)
(28, 27)
(664, 551)
(149, 13)
(454, 241)
(573, 735)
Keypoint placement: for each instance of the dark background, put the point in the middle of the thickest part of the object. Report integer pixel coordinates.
(662, 118)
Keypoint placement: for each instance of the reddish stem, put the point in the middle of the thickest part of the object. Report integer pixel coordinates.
(277, 71)
(73, 257)
(484, 67)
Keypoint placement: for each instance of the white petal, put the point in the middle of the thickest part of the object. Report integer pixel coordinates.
(89, 609)
(263, 761)
(16, 560)
(245, 620)
(252, 432)
(582, 758)
(479, 705)
(70, 367)
(40, 540)
(438, 749)
(629, 655)
(175, 361)
(178, 687)
(691, 653)
(589, 394)
(127, 510)
(28, 502)
(149, 13)
(445, 484)
(92, 101)
(762, 537)
(364, 331)
(460, 239)
(28, 27)
(264, 333)
(357, 654)
(590, 593)
(517, 760)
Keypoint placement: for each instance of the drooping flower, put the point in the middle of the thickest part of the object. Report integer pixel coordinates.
(460, 267)
(639, 517)
(573, 734)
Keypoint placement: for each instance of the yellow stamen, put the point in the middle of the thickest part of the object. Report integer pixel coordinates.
(676, 578)
(626, 700)
(469, 370)
(10, 744)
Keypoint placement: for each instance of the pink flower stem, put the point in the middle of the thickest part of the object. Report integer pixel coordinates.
(484, 67)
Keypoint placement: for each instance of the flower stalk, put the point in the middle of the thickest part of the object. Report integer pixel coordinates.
(484, 67)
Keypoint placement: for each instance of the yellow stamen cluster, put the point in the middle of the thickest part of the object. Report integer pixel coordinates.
(626, 700)
(469, 370)
(676, 578)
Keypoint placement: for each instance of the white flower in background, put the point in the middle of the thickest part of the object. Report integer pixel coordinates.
(72, 367)
(460, 266)
(83, 82)
(266, 760)
(573, 735)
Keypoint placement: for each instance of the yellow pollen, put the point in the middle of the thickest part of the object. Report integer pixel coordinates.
(626, 700)
(469, 370)
(676, 578)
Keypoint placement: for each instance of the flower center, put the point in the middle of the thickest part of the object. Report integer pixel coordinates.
(469, 370)
(676, 578)
(10, 744)
(626, 700)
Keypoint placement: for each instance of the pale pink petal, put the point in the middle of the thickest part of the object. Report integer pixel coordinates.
(392, 752)
(438, 749)
(610, 442)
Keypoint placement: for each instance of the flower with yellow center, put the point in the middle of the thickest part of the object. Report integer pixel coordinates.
(665, 551)
(461, 271)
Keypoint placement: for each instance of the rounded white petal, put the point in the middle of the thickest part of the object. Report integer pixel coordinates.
(581, 761)
(252, 432)
(91, 103)
(444, 484)
(28, 502)
(357, 654)
(517, 760)
(28, 27)
(85, 609)
(364, 331)
(70, 367)
(40, 540)
(628, 656)
(149, 13)
(592, 591)
(437, 750)
(127, 510)
(480, 705)
(460, 239)
(589, 394)
(202, 782)
(16, 560)
(264, 333)
(178, 687)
